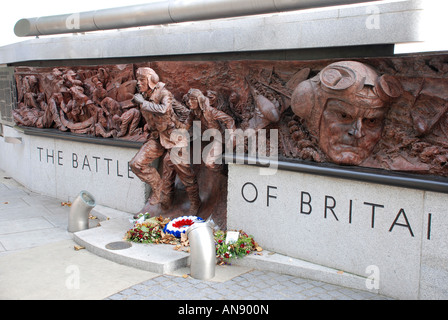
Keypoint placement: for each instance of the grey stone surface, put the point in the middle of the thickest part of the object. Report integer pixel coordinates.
(52, 270)
(434, 273)
(55, 271)
(62, 169)
(326, 33)
(253, 285)
(327, 27)
(346, 225)
(271, 261)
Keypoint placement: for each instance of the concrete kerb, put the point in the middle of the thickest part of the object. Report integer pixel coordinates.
(160, 259)
(163, 259)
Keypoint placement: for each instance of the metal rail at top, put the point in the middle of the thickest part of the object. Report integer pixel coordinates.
(162, 12)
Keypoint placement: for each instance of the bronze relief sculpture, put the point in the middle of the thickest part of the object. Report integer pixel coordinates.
(158, 107)
(344, 108)
(382, 113)
(210, 118)
(91, 100)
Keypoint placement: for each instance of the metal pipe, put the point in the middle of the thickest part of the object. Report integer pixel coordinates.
(202, 251)
(162, 12)
(78, 218)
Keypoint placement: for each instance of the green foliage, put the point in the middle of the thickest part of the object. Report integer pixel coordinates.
(225, 252)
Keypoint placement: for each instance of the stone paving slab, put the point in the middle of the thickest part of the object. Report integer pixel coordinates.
(56, 271)
(252, 285)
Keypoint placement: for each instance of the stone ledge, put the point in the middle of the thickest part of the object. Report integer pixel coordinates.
(271, 261)
(377, 176)
(56, 134)
(400, 23)
(154, 258)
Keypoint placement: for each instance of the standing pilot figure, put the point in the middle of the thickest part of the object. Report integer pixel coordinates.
(157, 106)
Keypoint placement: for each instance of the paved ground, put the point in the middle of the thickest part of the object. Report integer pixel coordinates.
(253, 285)
(38, 261)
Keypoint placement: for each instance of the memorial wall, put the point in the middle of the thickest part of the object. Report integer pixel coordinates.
(385, 114)
(340, 161)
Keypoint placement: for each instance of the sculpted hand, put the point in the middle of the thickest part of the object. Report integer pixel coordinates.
(138, 98)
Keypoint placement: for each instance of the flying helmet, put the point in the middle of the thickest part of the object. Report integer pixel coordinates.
(349, 81)
(151, 75)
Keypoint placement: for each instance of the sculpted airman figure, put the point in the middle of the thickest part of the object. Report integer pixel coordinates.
(211, 118)
(157, 107)
(344, 108)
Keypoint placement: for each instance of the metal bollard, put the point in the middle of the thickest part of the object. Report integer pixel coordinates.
(202, 251)
(79, 212)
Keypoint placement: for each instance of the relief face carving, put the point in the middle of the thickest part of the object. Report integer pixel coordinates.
(344, 108)
(349, 133)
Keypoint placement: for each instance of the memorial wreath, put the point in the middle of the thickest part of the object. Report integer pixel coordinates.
(180, 225)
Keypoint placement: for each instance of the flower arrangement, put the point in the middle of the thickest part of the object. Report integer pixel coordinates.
(180, 225)
(150, 231)
(226, 251)
(159, 230)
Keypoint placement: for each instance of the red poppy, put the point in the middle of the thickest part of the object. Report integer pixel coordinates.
(183, 223)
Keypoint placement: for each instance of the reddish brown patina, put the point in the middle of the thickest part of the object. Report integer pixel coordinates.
(387, 113)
